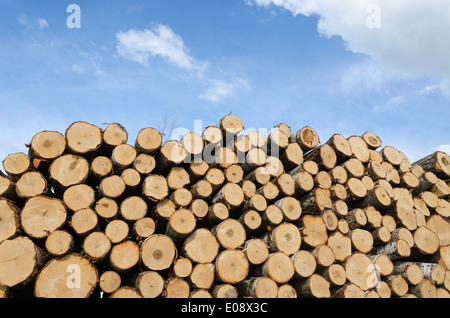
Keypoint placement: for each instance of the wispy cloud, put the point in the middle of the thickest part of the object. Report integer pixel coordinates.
(160, 40)
(222, 89)
(40, 23)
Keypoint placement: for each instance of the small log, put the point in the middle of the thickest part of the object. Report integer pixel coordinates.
(256, 202)
(133, 208)
(176, 287)
(181, 223)
(106, 208)
(258, 287)
(410, 271)
(201, 246)
(158, 252)
(304, 263)
(324, 256)
(224, 291)
(202, 276)
(273, 216)
(360, 271)
(83, 138)
(339, 175)
(398, 285)
(232, 266)
(341, 246)
(84, 222)
(286, 184)
(356, 218)
(324, 156)
(341, 146)
(438, 163)
(112, 187)
(71, 276)
(177, 178)
(148, 140)
(234, 174)
(132, 179)
(155, 188)
(47, 145)
(16, 165)
(59, 243)
(41, 216)
(256, 251)
(290, 207)
(117, 231)
(383, 264)
(335, 274)
(314, 287)
(182, 267)
(278, 267)
(313, 230)
(212, 135)
(307, 138)
(68, 170)
(425, 289)
(97, 246)
(287, 291)
(426, 242)
(323, 180)
(440, 227)
(78, 197)
(231, 195)
(217, 213)
(181, 197)
(113, 135)
(230, 234)
(144, 163)
(330, 219)
(109, 282)
(20, 261)
(230, 126)
(362, 240)
(373, 141)
(284, 238)
(359, 148)
(349, 290)
(251, 220)
(143, 228)
(9, 219)
(291, 156)
(215, 177)
(149, 284)
(317, 200)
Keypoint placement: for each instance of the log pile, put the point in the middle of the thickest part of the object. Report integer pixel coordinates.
(222, 214)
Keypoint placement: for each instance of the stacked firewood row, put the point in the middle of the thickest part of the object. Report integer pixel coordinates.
(225, 214)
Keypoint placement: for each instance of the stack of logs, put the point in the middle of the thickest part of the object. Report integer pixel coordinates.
(222, 214)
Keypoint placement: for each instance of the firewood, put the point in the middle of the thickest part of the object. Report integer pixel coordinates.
(71, 276)
(69, 170)
(143, 228)
(354, 168)
(284, 238)
(256, 251)
(315, 286)
(307, 138)
(42, 215)
(324, 156)
(79, 197)
(117, 231)
(359, 148)
(258, 287)
(83, 138)
(181, 223)
(372, 140)
(230, 233)
(59, 243)
(341, 146)
(126, 292)
(149, 284)
(9, 219)
(232, 266)
(291, 156)
(304, 263)
(313, 230)
(278, 267)
(97, 246)
(202, 276)
(251, 220)
(201, 246)
(16, 165)
(47, 145)
(438, 163)
(225, 291)
(109, 282)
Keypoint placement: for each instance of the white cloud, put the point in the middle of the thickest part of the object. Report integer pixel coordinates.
(412, 39)
(222, 89)
(42, 23)
(77, 69)
(444, 148)
(140, 45)
(363, 76)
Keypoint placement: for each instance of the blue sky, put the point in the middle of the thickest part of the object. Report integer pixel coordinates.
(345, 67)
